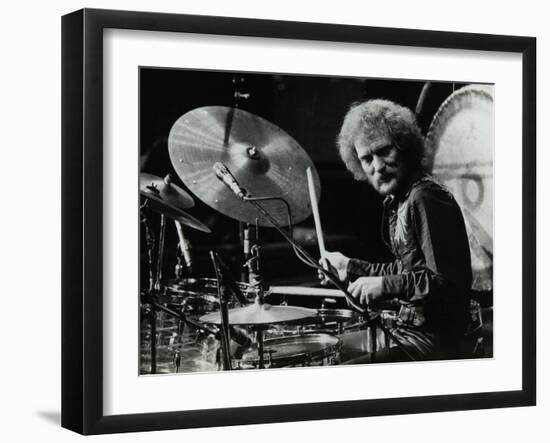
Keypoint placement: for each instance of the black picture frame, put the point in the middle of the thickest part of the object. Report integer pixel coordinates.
(82, 215)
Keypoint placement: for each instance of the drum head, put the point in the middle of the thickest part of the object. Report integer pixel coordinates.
(294, 350)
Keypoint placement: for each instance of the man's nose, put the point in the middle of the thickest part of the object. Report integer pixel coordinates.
(378, 164)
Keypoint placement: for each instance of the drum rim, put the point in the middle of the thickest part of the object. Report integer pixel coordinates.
(324, 352)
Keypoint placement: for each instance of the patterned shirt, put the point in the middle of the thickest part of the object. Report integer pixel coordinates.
(425, 231)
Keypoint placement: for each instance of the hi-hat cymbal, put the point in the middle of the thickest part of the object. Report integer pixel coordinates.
(169, 199)
(264, 160)
(164, 192)
(260, 314)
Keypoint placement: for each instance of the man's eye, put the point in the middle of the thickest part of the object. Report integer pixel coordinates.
(367, 159)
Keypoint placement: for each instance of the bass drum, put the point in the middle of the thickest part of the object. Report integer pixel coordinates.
(460, 154)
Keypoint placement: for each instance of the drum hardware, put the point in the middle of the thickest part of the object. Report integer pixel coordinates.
(179, 268)
(185, 251)
(150, 246)
(160, 252)
(153, 323)
(253, 266)
(177, 359)
(168, 199)
(224, 281)
(251, 253)
(244, 236)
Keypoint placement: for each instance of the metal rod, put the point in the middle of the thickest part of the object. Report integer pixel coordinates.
(160, 252)
(224, 327)
(372, 336)
(153, 321)
(150, 244)
(260, 343)
(182, 317)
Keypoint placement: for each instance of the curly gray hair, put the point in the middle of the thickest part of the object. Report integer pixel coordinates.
(377, 117)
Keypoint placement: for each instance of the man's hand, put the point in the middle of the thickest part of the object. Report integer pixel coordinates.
(367, 290)
(335, 262)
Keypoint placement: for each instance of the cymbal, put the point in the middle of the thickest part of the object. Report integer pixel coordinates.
(169, 199)
(186, 219)
(263, 158)
(260, 314)
(164, 192)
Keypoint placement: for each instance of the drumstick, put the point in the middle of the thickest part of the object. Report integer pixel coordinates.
(305, 291)
(316, 217)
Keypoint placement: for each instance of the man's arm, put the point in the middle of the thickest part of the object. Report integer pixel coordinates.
(363, 268)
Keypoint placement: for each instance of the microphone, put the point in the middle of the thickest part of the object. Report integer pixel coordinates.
(225, 176)
(185, 247)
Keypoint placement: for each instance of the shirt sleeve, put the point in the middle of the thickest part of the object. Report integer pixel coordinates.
(441, 235)
(358, 268)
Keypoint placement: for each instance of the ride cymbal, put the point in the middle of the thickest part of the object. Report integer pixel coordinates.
(264, 160)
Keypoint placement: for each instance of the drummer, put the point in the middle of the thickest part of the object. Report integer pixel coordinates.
(428, 282)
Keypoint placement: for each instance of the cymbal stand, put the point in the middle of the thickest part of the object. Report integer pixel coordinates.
(244, 235)
(160, 252)
(260, 343)
(150, 311)
(224, 327)
(150, 244)
(256, 282)
(154, 279)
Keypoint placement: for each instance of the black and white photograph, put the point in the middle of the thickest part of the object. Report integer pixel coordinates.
(275, 221)
(298, 221)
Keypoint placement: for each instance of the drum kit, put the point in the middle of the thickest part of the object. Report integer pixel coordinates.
(253, 172)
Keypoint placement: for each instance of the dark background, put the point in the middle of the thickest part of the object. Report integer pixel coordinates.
(311, 110)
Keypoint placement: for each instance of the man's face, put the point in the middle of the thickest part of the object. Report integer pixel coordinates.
(382, 162)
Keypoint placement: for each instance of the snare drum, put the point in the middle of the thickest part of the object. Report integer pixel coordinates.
(338, 320)
(327, 321)
(293, 351)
